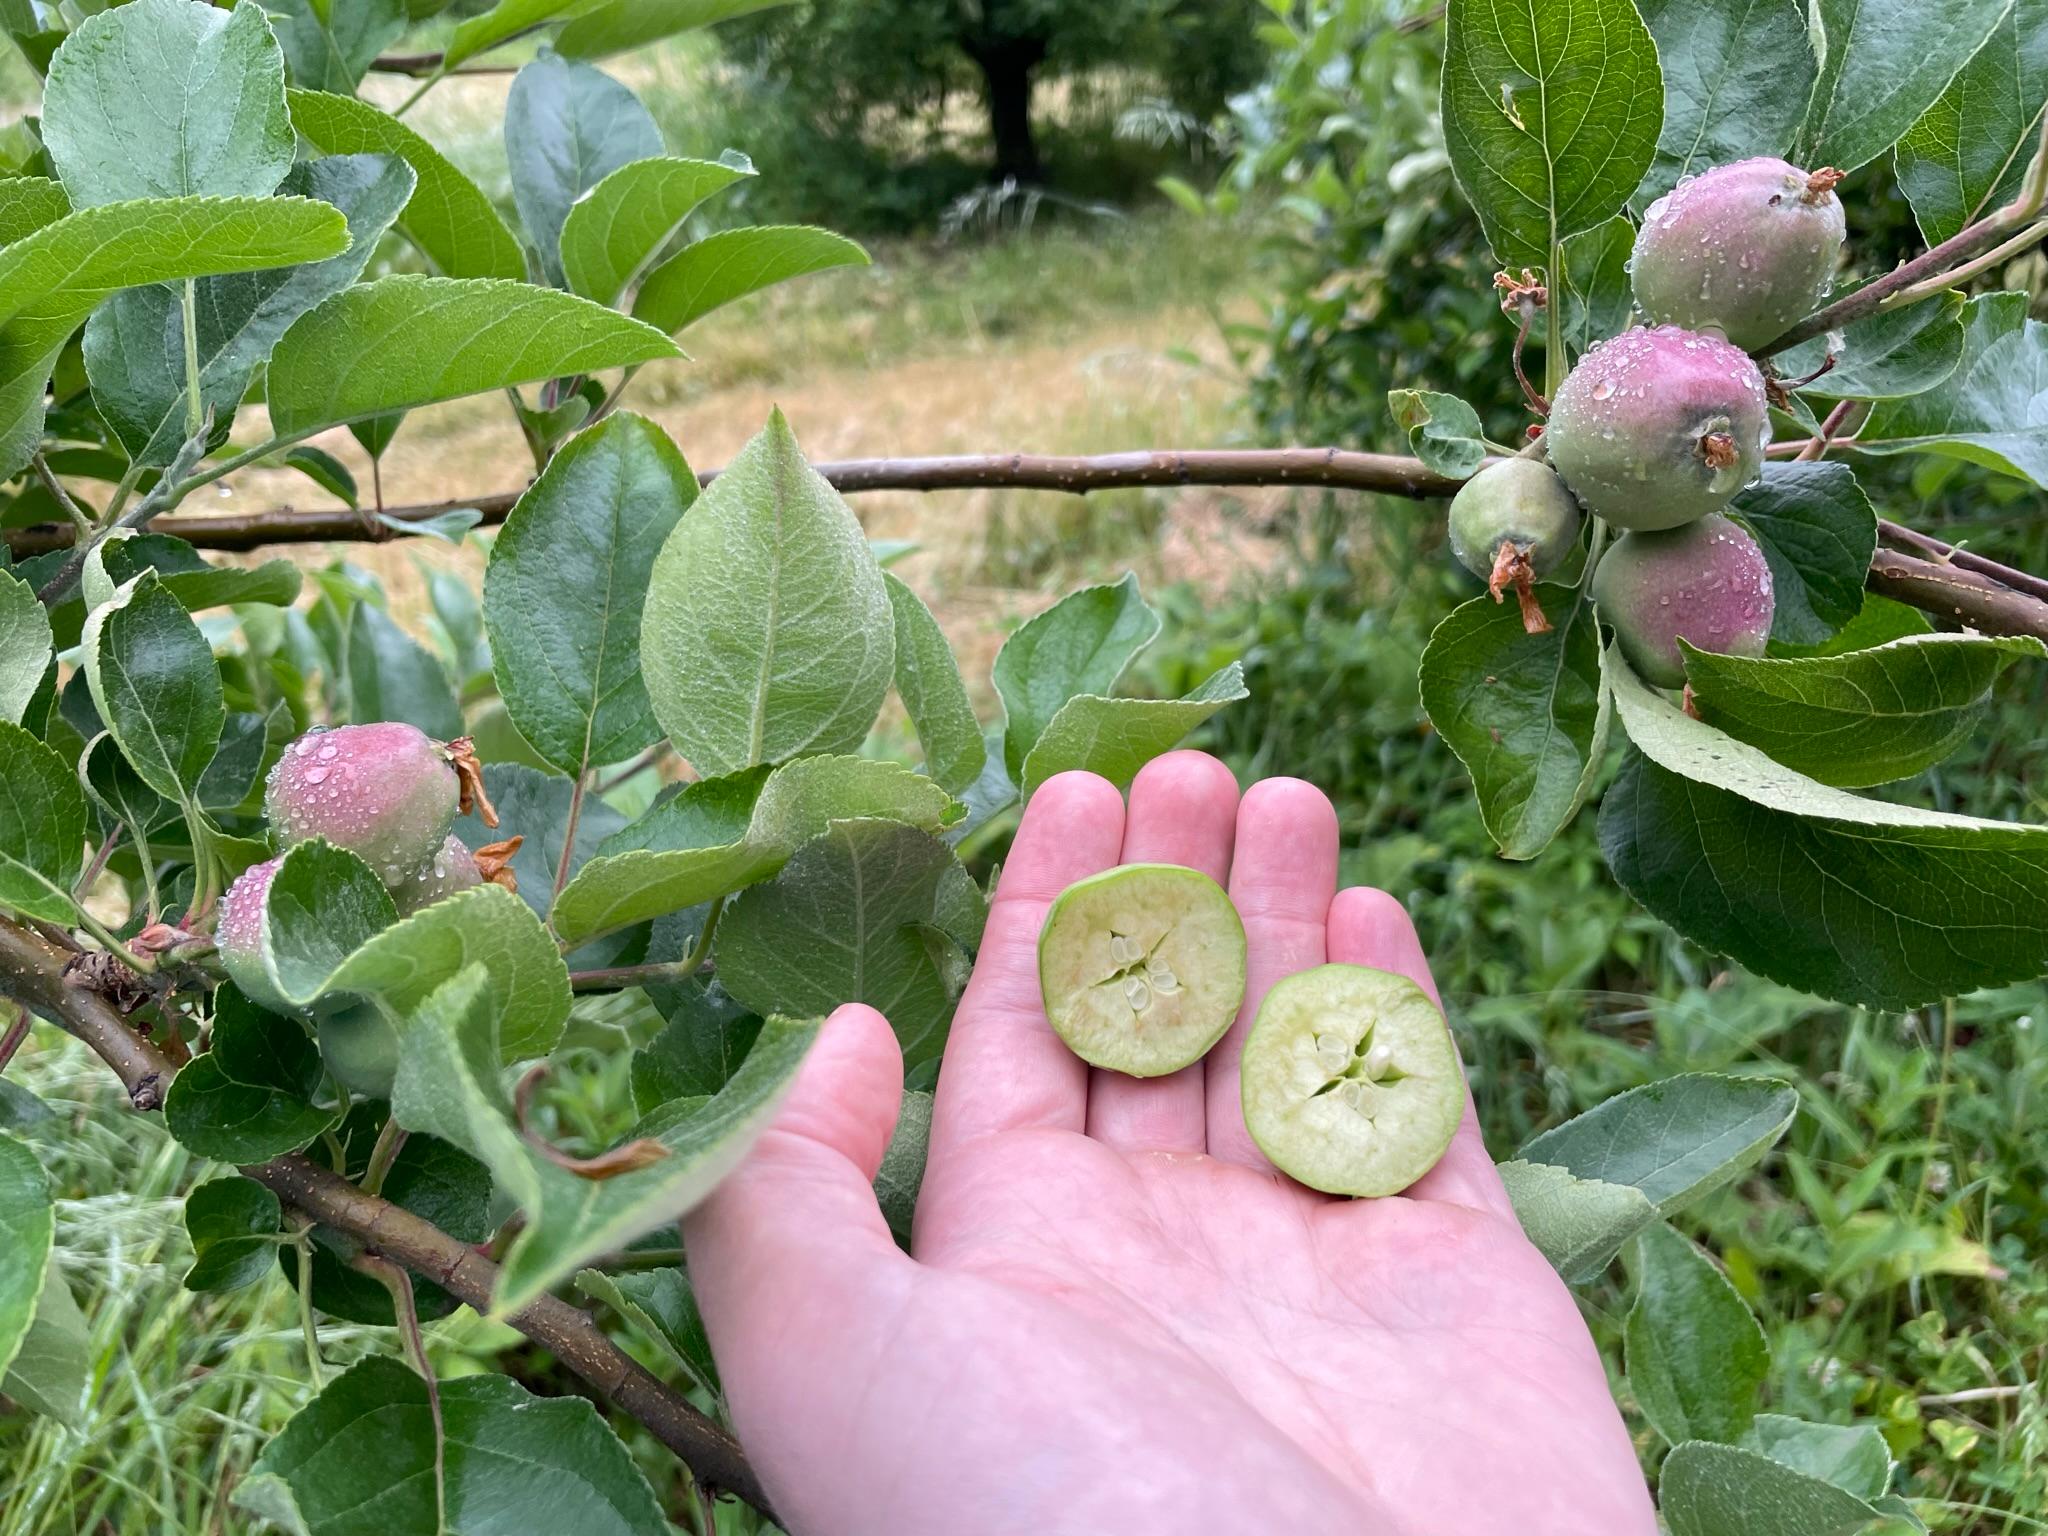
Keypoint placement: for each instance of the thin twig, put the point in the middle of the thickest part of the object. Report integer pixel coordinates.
(16, 1033)
(1940, 263)
(1819, 443)
(62, 497)
(1952, 592)
(614, 978)
(1944, 553)
(640, 764)
(2018, 245)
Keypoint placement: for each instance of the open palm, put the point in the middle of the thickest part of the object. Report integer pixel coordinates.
(1118, 1316)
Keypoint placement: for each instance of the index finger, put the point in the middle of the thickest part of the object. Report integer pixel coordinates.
(1004, 1068)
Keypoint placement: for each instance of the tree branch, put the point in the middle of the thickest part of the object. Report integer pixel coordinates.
(1337, 468)
(1330, 468)
(32, 973)
(1954, 592)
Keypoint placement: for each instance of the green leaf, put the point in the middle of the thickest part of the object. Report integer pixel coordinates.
(155, 683)
(249, 744)
(163, 98)
(233, 1224)
(661, 1305)
(1882, 64)
(767, 631)
(1080, 645)
(53, 1366)
(568, 125)
(928, 681)
(1878, 622)
(1992, 410)
(733, 263)
(1675, 1139)
(42, 829)
(1736, 78)
(1598, 300)
(1579, 1225)
(1855, 1458)
(1117, 737)
(1719, 1490)
(1858, 900)
(1551, 115)
(707, 842)
(1817, 531)
(612, 234)
(1885, 356)
(706, 1038)
(25, 647)
(322, 906)
(617, 25)
(566, 585)
(1864, 717)
(535, 804)
(119, 791)
(448, 217)
(27, 203)
(135, 343)
(1697, 1359)
(901, 1175)
(21, 1110)
(359, 1461)
(27, 1227)
(502, 22)
(329, 46)
(257, 1093)
(391, 676)
(51, 280)
(1442, 429)
(192, 580)
(325, 471)
(485, 926)
(1968, 152)
(852, 918)
(448, 1085)
(1526, 714)
(404, 341)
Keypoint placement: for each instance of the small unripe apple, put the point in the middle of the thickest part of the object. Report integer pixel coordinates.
(1511, 525)
(386, 792)
(1658, 426)
(1706, 583)
(1745, 250)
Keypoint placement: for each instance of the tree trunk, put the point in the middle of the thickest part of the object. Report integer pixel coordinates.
(1006, 70)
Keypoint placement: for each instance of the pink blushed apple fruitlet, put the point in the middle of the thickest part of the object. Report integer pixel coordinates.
(452, 868)
(1706, 583)
(1656, 427)
(385, 792)
(1511, 525)
(1142, 967)
(238, 935)
(1350, 1082)
(1743, 250)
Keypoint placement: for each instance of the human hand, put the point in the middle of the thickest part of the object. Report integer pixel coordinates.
(1118, 1317)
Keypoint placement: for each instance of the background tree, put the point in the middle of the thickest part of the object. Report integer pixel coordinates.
(907, 59)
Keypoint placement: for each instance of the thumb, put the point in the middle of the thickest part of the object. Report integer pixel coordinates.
(797, 1224)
